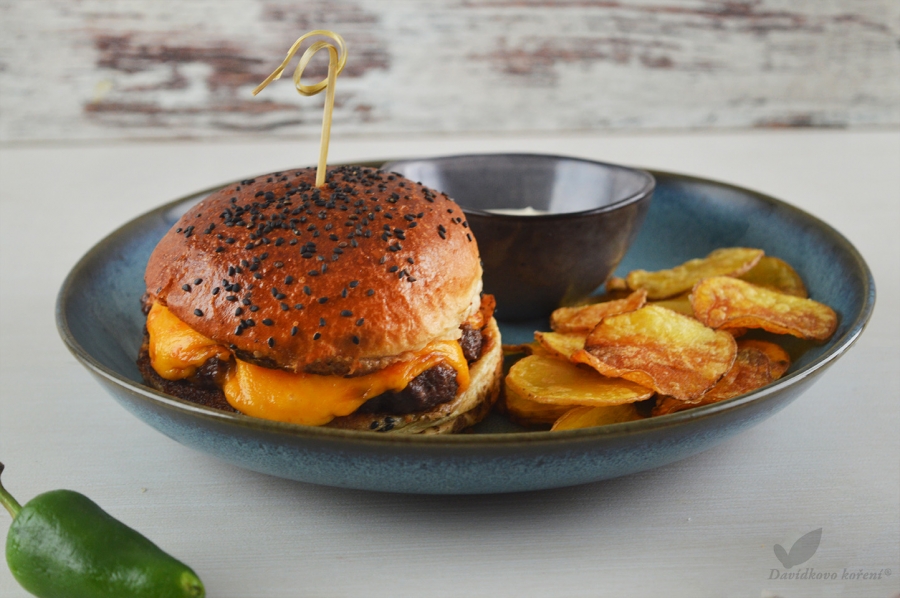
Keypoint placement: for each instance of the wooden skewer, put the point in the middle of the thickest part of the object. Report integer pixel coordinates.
(337, 58)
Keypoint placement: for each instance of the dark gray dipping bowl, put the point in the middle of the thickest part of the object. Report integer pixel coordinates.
(99, 318)
(534, 264)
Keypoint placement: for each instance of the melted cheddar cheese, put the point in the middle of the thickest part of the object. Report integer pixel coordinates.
(176, 351)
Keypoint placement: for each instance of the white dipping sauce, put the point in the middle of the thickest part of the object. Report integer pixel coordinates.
(529, 211)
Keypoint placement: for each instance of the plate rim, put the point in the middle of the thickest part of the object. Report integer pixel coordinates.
(468, 441)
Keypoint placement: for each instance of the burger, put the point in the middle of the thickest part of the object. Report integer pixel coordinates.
(353, 305)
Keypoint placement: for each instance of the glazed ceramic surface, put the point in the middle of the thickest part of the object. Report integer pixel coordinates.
(585, 215)
(99, 319)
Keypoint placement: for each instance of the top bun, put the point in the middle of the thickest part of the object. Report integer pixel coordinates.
(342, 279)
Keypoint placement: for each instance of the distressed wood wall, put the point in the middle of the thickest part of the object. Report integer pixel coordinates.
(104, 69)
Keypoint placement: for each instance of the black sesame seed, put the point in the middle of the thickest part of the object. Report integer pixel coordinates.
(317, 336)
(198, 313)
(307, 290)
(294, 331)
(186, 287)
(198, 280)
(360, 321)
(355, 339)
(347, 313)
(238, 311)
(271, 342)
(354, 284)
(267, 322)
(370, 292)
(288, 279)
(231, 298)
(323, 300)
(215, 291)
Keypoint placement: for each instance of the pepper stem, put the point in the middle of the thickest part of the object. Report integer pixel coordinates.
(7, 500)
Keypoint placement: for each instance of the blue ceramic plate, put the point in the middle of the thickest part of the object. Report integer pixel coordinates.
(99, 319)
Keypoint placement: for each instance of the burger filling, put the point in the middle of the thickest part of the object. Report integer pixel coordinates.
(181, 361)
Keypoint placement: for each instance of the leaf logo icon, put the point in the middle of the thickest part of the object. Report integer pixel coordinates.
(783, 556)
(802, 550)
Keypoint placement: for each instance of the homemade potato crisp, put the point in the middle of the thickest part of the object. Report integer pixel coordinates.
(556, 381)
(776, 274)
(670, 343)
(528, 413)
(731, 261)
(660, 349)
(560, 345)
(585, 317)
(724, 302)
(757, 363)
(588, 417)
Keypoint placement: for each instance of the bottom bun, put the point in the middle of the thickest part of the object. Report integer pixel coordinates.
(465, 410)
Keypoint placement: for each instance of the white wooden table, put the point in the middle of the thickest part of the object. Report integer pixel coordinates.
(705, 526)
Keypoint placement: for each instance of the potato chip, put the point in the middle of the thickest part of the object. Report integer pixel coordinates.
(776, 274)
(725, 302)
(584, 318)
(680, 303)
(731, 261)
(559, 344)
(660, 349)
(530, 413)
(589, 417)
(555, 381)
(616, 284)
(757, 363)
(779, 360)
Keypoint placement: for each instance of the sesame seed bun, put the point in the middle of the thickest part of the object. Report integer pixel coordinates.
(340, 280)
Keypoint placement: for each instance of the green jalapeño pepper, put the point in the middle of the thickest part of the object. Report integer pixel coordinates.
(62, 545)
